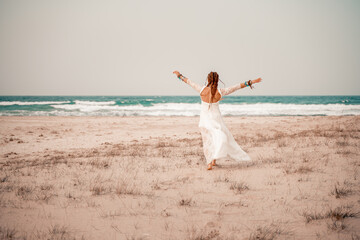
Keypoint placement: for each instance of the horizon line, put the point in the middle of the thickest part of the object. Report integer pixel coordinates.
(296, 95)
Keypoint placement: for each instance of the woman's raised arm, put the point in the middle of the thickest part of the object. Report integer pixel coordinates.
(188, 81)
(229, 90)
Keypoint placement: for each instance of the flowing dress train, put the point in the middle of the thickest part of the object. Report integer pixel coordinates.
(218, 142)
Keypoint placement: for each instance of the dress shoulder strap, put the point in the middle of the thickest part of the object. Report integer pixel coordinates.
(219, 91)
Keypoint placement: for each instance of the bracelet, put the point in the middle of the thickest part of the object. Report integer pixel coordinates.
(248, 83)
(180, 77)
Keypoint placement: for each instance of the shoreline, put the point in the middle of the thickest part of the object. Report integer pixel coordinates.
(234, 106)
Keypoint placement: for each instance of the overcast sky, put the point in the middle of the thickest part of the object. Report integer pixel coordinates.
(84, 47)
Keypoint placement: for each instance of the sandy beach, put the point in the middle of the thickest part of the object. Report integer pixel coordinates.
(146, 178)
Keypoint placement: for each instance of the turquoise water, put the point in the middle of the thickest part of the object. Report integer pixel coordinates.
(176, 105)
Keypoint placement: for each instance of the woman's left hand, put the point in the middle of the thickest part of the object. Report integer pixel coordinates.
(257, 80)
(177, 73)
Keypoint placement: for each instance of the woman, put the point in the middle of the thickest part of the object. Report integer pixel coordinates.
(218, 142)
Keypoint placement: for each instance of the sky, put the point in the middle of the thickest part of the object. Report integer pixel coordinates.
(131, 47)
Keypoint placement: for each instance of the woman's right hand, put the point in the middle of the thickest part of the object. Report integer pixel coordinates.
(177, 73)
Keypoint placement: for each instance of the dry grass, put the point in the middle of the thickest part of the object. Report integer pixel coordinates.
(289, 168)
(99, 189)
(344, 152)
(268, 232)
(269, 159)
(44, 196)
(261, 138)
(59, 232)
(338, 213)
(162, 144)
(100, 163)
(125, 188)
(25, 192)
(303, 169)
(342, 212)
(342, 190)
(185, 202)
(111, 214)
(54, 232)
(239, 187)
(343, 143)
(201, 235)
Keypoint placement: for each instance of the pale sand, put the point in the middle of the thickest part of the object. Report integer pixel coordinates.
(146, 178)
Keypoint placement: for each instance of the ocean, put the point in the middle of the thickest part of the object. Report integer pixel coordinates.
(177, 105)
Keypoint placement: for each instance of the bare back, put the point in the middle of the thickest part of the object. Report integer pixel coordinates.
(206, 95)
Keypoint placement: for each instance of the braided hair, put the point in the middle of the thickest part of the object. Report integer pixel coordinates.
(213, 79)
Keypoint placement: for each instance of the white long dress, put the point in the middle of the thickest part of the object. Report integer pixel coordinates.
(218, 142)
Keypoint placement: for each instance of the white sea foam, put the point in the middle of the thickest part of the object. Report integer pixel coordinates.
(278, 109)
(8, 103)
(94, 103)
(167, 109)
(82, 108)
